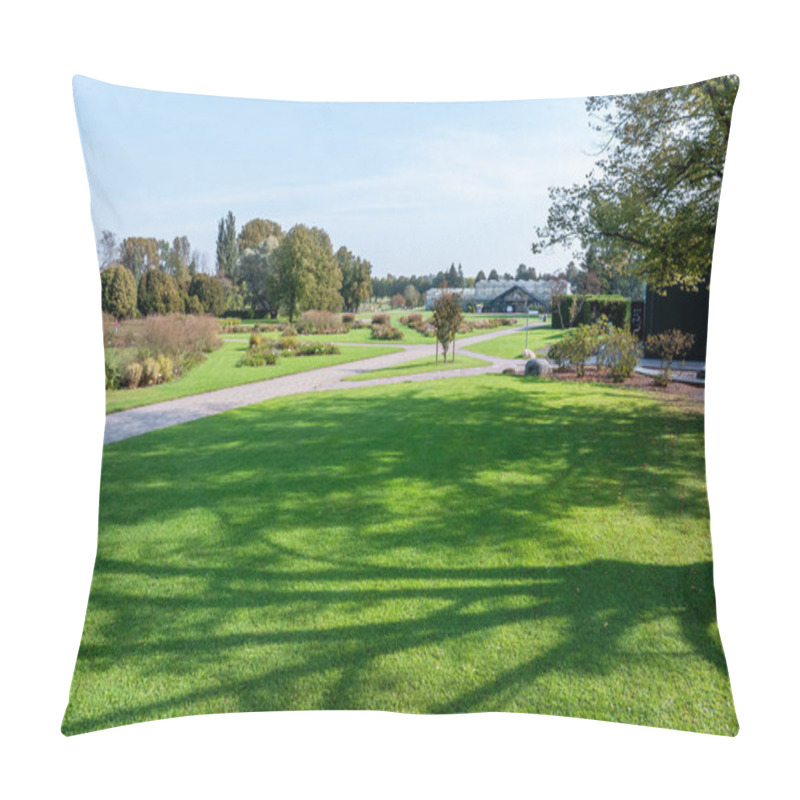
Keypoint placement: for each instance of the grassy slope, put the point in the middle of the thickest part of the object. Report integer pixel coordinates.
(487, 543)
(421, 365)
(511, 346)
(220, 370)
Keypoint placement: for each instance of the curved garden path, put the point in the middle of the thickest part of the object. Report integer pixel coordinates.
(135, 421)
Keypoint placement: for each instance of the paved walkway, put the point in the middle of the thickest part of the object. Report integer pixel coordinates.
(135, 421)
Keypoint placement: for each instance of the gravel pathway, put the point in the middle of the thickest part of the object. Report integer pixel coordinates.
(136, 421)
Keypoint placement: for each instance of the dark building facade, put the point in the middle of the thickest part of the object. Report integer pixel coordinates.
(677, 308)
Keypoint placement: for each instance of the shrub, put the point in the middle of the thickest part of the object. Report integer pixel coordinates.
(164, 368)
(256, 357)
(381, 319)
(414, 319)
(158, 293)
(578, 345)
(112, 372)
(255, 339)
(229, 322)
(118, 291)
(348, 318)
(184, 339)
(668, 346)
(326, 322)
(132, 374)
(149, 372)
(620, 353)
(209, 292)
(386, 332)
(287, 343)
(316, 349)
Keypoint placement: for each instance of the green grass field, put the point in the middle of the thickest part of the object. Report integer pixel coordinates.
(220, 370)
(511, 346)
(421, 365)
(477, 544)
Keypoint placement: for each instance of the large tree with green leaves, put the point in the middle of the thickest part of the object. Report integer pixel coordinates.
(356, 279)
(307, 272)
(651, 201)
(260, 276)
(227, 247)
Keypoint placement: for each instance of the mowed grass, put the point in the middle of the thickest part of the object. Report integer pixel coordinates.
(511, 346)
(478, 544)
(221, 369)
(421, 365)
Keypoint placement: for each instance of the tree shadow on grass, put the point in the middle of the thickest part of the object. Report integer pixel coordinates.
(314, 553)
(595, 606)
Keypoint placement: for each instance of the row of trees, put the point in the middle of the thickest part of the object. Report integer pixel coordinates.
(158, 292)
(258, 267)
(139, 254)
(270, 270)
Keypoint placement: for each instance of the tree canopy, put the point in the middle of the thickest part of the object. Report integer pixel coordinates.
(256, 231)
(257, 269)
(308, 273)
(356, 278)
(139, 254)
(227, 247)
(446, 318)
(651, 201)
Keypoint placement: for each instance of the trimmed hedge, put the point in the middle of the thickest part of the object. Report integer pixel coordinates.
(615, 307)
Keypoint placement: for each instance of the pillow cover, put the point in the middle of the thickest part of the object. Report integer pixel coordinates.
(405, 407)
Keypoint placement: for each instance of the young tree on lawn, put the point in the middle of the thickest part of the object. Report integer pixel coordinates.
(447, 316)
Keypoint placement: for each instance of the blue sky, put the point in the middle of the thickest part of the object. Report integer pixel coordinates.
(411, 187)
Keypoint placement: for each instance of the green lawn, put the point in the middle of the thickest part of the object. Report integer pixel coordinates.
(220, 370)
(421, 365)
(476, 544)
(511, 346)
